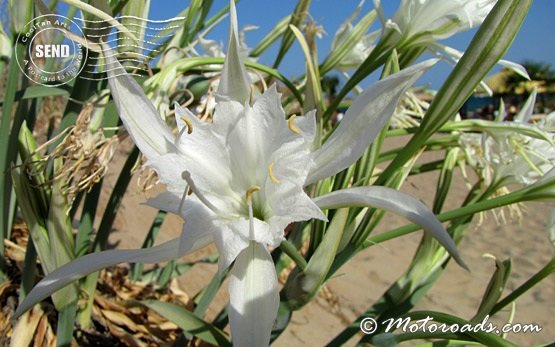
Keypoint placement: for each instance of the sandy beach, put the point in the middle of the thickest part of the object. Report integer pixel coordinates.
(363, 280)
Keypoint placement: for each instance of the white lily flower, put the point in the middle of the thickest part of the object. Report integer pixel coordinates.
(511, 155)
(423, 21)
(362, 48)
(247, 171)
(215, 49)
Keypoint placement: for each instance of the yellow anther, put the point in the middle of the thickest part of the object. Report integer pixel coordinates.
(271, 173)
(188, 123)
(291, 124)
(250, 191)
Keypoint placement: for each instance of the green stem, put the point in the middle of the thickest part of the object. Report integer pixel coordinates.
(7, 153)
(289, 249)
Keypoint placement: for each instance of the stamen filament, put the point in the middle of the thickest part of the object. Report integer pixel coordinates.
(251, 220)
(271, 173)
(187, 177)
(248, 196)
(183, 197)
(292, 126)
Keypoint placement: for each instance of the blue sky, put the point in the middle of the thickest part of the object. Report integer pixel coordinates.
(535, 40)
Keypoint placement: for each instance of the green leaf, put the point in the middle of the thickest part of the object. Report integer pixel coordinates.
(137, 269)
(445, 178)
(102, 15)
(314, 98)
(209, 293)
(187, 321)
(39, 91)
(494, 290)
(297, 18)
(303, 285)
(271, 37)
(66, 322)
(488, 339)
(7, 152)
(544, 272)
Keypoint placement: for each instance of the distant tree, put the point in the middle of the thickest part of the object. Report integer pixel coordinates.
(541, 74)
(329, 86)
(539, 71)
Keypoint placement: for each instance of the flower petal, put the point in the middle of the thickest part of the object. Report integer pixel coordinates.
(232, 238)
(515, 67)
(362, 122)
(139, 116)
(253, 297)
(235, 82)
(527, 109)
(169, 168)
(199, 227)
(166, 201)
(87, 264)
(396, 202)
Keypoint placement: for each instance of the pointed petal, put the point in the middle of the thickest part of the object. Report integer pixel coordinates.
(393, 201)
(362, 122)
(515, 67)
(139, 116)
(253, 297)
(234, 83)
(166, 201)
(527, 110)
(233, 238)
(199, 226)
(87, 264)
(169, 168)
(381, 13)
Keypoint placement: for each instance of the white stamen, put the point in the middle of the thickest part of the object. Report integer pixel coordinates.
(186, 175)
(181, 203)
(251, 220)
(248, 195)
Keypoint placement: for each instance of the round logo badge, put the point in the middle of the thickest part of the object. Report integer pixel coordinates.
(54, 57)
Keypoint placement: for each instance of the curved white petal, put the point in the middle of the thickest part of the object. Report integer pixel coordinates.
(527, 110)
(515, 67)
(253, 297)
(166, 201)
(393, 201)
(234, 237)
(199, 222)
(199, 227)
(235, 82)
(362, 122)
(87, 264)
(139, 116)
(169, 168)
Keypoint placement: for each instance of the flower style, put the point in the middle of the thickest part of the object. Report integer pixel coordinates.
(239, 181)
(424, 21)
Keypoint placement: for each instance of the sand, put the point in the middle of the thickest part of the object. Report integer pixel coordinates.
(361, 282)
